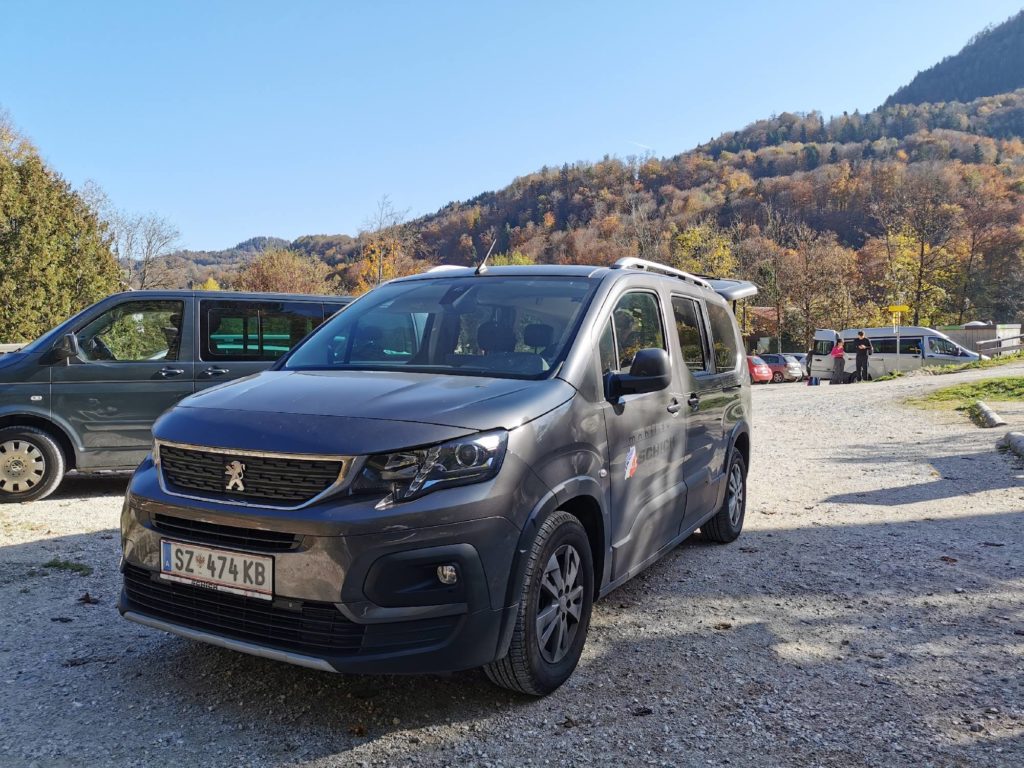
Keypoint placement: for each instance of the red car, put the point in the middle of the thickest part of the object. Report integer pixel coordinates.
(760, 373)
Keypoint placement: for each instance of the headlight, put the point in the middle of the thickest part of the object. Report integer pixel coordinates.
(412, 473)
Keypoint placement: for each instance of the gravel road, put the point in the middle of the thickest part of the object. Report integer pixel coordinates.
(872, 613)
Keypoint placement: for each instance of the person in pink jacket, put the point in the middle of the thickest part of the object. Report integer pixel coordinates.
(838, 363)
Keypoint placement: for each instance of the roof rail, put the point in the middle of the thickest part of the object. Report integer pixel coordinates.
(631, 262)
(446, 268)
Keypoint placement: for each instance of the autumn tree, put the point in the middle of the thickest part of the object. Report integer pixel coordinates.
(284, 271)
(704, 249)
(388, 248)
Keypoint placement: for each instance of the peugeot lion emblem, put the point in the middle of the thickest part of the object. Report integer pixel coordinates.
(235, 470)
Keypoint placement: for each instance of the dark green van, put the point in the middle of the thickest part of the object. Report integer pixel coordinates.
(85, 394)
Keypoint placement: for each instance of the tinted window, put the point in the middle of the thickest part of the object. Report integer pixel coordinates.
(726, 347)
(823, 347)
(939, 346)
(481, 326)
(133, 331)
(254, 330)
(911, 346)
(638, 326)
(690, 330)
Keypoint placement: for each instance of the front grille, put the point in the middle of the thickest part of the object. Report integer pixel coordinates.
(314, 629)
(226, 535)
(277, 481)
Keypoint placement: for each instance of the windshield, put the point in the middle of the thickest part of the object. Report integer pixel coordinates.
(512, 327)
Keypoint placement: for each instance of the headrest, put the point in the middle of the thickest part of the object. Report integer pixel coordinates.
(491, 337)
(538, 335)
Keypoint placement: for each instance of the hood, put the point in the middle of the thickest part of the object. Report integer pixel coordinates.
(465, 402)
(10, 359)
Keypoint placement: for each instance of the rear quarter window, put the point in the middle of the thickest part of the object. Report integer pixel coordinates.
(254, 330)
(726, 344)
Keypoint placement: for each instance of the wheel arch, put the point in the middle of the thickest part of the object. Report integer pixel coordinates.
(50, 427)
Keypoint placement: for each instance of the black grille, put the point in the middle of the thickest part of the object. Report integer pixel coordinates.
(228, 535)
(284, 482)
(316, 629)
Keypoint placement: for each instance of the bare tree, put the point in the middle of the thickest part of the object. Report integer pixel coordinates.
(141, 243)
(388, 246)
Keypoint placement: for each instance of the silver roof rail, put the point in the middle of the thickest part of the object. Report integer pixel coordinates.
(446, 268)
(631, 262)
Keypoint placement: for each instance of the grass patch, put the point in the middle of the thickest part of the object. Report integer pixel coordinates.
(68, 565)
(995, 362)
(963, 395)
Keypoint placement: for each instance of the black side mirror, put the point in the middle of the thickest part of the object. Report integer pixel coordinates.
(67, 347)
(650, 372)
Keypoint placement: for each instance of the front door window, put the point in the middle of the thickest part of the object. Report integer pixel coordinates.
(134, 331)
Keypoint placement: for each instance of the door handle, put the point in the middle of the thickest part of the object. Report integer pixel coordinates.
(693, 401)
(674, 406)
(731, 388)
(167, 373)
(211, 372)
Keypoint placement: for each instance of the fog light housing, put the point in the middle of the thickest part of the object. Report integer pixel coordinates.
(447, 575)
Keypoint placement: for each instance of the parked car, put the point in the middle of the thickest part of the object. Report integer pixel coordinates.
(448, 473)
(760, 373)
(801, 357)
(85, 394)
(783, 367)
(912, 348)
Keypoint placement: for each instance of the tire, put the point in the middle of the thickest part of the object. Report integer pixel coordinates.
(777, 377)
(727, 523)
(532, 667)
(31, 464)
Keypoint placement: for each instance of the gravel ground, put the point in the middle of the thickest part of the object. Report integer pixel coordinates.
(872, 613)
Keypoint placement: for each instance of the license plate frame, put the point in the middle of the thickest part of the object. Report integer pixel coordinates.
(195, 570)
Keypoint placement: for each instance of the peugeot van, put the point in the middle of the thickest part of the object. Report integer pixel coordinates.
(447, 473)
(84, 395)
(916, 347)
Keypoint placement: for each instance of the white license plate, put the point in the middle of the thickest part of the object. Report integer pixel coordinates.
(219, 569)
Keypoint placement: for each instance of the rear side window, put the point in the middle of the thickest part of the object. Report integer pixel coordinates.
(690, 330)
(910, 346)
(726, 347)
(254, 330)
(637, 321)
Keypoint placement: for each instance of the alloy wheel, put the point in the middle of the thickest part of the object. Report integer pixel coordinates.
(559, 607)
(736, 492)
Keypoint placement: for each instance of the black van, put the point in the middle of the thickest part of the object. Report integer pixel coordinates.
(85, 394)
(448, 473)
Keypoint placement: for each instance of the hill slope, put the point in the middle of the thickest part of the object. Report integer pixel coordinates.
(992, 62)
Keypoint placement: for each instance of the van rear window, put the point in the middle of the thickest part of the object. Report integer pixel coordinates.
(250, 330)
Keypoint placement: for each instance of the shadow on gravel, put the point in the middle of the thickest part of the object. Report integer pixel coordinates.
(955, 476)
(85, 486)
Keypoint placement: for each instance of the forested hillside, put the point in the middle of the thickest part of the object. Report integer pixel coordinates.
(992, 62)
(835, 219)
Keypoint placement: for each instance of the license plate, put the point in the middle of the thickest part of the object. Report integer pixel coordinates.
(219, 569)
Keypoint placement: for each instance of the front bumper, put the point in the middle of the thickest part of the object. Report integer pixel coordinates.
(344, 599)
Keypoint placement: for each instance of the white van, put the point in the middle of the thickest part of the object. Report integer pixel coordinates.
(917, 346)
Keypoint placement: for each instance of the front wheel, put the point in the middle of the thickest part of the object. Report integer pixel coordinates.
(726, 525)
(31, 464)
(554, 610)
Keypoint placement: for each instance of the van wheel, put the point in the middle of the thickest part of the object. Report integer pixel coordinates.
(554, 610)
(31, 464)
(726, 525)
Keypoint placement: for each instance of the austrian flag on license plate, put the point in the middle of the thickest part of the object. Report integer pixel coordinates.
(219, 569)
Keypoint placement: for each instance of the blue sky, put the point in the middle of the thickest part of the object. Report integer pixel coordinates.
(236, 119)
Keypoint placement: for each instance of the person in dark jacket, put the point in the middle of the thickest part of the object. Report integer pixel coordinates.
(862, 345)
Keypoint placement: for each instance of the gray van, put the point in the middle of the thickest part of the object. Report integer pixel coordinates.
(84, 395)
(447, 473)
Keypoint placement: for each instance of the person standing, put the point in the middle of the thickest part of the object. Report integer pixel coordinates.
(838, 363)
(863, 347)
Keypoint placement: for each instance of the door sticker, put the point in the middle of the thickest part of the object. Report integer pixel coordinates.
(631, 462)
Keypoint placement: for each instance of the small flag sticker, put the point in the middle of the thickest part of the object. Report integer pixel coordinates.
(631, 462)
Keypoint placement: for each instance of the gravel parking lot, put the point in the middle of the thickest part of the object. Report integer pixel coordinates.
(872, 613)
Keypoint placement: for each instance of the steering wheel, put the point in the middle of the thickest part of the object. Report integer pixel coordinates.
(99, 350)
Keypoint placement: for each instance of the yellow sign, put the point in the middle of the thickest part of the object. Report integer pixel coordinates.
(899, 308)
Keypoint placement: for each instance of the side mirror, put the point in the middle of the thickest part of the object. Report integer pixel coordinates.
(67, 347)
(650, 372)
